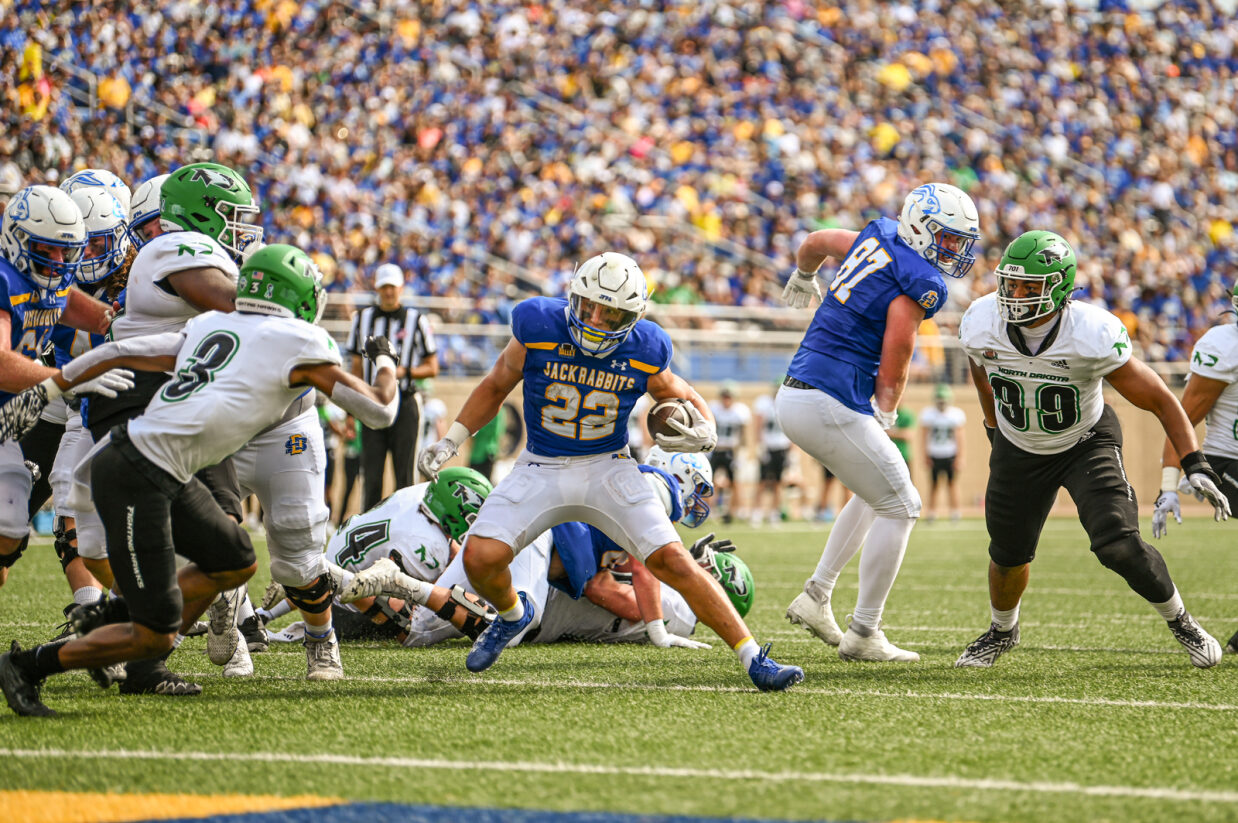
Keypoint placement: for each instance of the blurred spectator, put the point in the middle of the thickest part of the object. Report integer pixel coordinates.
(941, 443)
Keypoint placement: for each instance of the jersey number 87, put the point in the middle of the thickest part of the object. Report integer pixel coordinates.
(864, 259)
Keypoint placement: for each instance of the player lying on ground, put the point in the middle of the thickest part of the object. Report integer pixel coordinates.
(584, 363)
(233, 375)
(1038, 361)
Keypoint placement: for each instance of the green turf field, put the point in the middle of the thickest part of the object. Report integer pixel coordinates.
(1097, 716)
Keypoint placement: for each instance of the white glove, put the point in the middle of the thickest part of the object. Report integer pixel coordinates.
(885, 419)
(108, 384)
(701, 436)
(1185, 488)
(1204, 482)
(1166, 504)
(436, 454)
(660, 637)
(801, 287)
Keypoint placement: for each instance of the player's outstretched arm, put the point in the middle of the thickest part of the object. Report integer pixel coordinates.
(479, 409)
(17, 372)
(375, 406)
(1142, 387)
(206, 289)
(802, 285)
(1200, 396)
(902, 321)
(81, 311)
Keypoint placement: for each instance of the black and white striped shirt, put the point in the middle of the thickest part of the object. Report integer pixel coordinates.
(407, 329)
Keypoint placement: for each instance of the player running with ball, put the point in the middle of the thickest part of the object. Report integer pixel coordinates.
(585, 361)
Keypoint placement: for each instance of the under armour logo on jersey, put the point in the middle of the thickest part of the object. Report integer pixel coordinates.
(297, 444)
(928, 299)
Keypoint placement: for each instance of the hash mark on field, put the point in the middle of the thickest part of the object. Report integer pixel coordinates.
(899, 695)
(922, 781)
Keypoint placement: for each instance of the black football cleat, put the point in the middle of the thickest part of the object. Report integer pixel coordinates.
(985, 649)
(153, 677)
(102, 612)
(20, 689)
(1232, 645)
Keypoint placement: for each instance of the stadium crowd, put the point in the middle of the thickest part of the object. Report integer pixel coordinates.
(442, 135)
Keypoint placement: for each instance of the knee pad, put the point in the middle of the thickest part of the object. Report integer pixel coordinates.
(7, 560)
(477, 616)
(66, 552)
(402, 618)
(304, 597)
(1140, 565)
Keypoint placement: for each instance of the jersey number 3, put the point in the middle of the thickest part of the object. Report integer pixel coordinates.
(864, 259)
(212, 354)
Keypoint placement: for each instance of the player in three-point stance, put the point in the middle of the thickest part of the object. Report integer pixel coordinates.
(584, 362)
(1038, 360)
(844, 385)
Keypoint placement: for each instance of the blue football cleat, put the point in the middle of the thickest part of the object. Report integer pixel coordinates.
(490, 643)
(769, 676)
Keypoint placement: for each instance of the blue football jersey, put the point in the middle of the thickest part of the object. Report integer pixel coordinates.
(584, 550)
(842, 347)
(33, 313)
(69, 342)
(576, 404)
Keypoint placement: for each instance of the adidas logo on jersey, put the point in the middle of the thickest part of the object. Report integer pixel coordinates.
(1059, 364)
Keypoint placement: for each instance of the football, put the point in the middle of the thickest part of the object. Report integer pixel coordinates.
(673, 409)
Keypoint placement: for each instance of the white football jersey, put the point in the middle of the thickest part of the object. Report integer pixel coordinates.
(1046, 402)
(230, 382)
(1216, 357)
(395, 528)
(731, 422)
(150, 306)
(581, 621)
(772, 435)
(943, 426)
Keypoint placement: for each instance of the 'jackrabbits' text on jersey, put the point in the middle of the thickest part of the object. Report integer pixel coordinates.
(1046, 402)
(576, 404)
(842, 346)
(1216, 356)
(231, 381)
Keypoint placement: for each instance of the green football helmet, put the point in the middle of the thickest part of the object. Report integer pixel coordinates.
(283, 281)
(733, 574)
(454, 499)
(1047, 262)
(211, 199)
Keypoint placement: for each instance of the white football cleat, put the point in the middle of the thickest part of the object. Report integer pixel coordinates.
(816, 617)
(322, 659)
(241, 664)
(385, 578)
(875, 647)
(1204, 649)
(274, 594)
(222, 635)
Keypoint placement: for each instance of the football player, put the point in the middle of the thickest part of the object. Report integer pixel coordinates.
(232, 375)
(1212, 395)
(42, 238)
(1037, 361)
(584, 362)
(843, 389)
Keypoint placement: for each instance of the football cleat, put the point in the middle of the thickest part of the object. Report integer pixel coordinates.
(490, 643)
(65, 629)
(1232, 645)
(196, 630)
(20, 689)
(105, 676)
(385, 578)
(873, 648)
(985, 649)
(222, 635)
(274, 594)
(1204, 649)
(769, 676)
(153, 677)
(815, 616)
(254, 632)
(241, 664)
(86, 618)
(322, 659)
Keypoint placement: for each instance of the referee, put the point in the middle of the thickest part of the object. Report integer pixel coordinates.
(410, 332)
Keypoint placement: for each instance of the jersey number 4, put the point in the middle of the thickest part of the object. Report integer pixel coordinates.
(212, 354)
(864, 259)
(361, 539)
(561, 419)
(1057, 405)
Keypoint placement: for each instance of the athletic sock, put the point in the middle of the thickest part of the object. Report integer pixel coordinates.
(245, 610)
(1171, 608)
(178, 640)
(865, 621)
(513, 614)
(879, 564)
(747, 651)
(318, 633)
(279, 609)
(848, 534)
(1005, 619)
(87, 595)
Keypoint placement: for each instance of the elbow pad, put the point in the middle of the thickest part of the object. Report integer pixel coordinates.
(150, 345)
(371, 413)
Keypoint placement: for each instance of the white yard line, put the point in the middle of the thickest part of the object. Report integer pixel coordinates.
(918, 781)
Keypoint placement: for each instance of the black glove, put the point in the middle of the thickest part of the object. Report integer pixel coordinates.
(375, 346)
(698, 548)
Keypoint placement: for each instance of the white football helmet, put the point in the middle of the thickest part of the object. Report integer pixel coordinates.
(941, 223)
(145, 208)
(48, 216)
(696, 481)
(107, 235)
(98, 179)
(607, 296)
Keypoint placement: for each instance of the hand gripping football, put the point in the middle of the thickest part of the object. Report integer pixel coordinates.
(673, 409)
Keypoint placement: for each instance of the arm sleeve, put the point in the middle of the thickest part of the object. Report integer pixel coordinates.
(150, 345)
